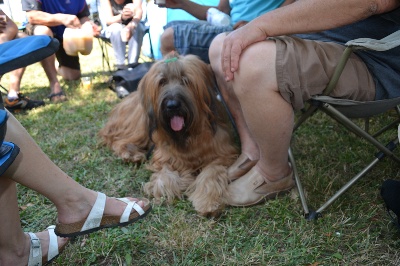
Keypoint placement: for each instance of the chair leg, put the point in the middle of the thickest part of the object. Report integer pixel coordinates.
(338, 116)
(383, 152)
(379, 156)
(298, 183)
(104, 55)
(314, 215)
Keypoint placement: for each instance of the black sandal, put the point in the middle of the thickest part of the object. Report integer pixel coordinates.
(57, 97)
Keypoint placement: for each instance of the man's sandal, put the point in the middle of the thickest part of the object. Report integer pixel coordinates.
(96, 220)
(35, 252)
(57, 97)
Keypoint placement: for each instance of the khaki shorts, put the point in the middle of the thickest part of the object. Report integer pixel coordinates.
(304, 68)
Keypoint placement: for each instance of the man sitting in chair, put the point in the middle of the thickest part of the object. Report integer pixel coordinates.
(15, 101)
(122, 19)
(195, 36)
(264, 72)
(47, 17)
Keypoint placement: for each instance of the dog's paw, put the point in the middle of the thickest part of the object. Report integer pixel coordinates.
(214, 214)
(209, 209)
(163, 185)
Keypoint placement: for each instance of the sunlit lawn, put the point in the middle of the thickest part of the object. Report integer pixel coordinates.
(355, 230)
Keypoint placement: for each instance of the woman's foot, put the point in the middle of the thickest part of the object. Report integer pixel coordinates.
(92, 214)
(44, 247)
(19, 254)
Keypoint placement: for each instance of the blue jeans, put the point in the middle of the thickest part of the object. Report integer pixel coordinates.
(113, 32)
(195, 37)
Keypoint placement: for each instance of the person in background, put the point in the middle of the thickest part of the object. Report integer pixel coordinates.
(15, 100)
(265, 72)
(194, 37)
(51, 18)
(122, 19)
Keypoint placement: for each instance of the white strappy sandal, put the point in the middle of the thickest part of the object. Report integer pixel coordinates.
(35, 253)
(96, 219)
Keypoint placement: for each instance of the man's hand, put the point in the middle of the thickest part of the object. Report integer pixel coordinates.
(3, 24)
(235, 43)
(127, 13)
(91, 26)
(71, 21)
(132, 26)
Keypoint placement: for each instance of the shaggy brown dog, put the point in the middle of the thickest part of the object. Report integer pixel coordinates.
(175, 108)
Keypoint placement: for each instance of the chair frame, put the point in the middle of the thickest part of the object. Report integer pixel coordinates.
(333, 110)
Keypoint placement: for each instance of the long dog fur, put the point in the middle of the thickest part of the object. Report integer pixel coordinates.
(175, 108)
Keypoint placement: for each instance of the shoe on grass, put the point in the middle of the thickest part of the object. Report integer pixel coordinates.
(96, 220)
(35, 252)
(22, 103)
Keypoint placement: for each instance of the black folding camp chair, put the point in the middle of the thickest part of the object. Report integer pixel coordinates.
(344, 111)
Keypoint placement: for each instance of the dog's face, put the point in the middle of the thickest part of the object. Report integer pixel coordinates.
(178, 95)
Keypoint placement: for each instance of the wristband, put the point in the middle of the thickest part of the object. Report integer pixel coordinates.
(125, 21)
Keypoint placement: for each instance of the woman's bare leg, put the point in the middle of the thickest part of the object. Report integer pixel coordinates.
(33, 169)
(14, 243)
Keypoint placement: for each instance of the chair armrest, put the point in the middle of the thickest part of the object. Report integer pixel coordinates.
(384, 44)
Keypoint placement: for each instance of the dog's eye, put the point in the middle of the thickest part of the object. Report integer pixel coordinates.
(162, 82)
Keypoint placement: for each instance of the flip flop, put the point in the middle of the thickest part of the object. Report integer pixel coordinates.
(96, 220)
(57, 97)
(35, 252)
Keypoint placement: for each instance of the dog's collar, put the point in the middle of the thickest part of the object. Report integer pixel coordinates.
(170, 60)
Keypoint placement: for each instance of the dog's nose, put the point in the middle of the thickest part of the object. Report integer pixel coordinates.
(173, 104)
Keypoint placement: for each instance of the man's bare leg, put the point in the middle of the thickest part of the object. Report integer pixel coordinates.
(167, 41)
(48, 63)
(249, 147)
(268, 117)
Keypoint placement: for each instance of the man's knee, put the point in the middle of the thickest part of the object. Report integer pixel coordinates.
(167, 41)
(214, 52)
(42, 30)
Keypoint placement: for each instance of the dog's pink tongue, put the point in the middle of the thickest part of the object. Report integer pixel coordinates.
(177, 123)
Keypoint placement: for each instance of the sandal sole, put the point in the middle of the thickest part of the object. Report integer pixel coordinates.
(112, 225)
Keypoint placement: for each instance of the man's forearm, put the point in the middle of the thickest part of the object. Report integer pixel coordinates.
(46, 19)
(196, 10)
(315, 15)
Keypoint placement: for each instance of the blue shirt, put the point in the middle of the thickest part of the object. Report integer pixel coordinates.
(245, 10)
(72, 7)
(384, 66)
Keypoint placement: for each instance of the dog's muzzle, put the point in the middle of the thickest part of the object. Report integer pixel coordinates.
(177, 122)
(174, 113)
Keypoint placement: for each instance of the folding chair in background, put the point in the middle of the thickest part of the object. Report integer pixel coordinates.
(343, 111)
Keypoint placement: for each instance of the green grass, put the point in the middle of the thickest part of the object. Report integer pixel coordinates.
(355, 230)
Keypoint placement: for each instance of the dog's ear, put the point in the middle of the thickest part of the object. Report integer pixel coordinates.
(145, 98)
(152, 122)
(213, 91)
